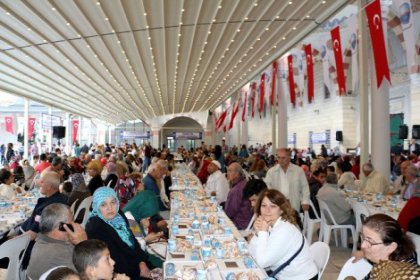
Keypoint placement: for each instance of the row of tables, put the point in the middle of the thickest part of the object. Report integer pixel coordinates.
(390, 205)
(203, 242)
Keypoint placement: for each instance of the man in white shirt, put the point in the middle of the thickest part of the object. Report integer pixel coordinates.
(375, 181)
(217, 184)
(290, 180)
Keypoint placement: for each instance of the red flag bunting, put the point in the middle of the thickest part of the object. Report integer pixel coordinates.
(291, 81)
(373, 13)
(221, 120)
(234, 112)
(273, 82)
(262, 92)
(75, 128)
(244, 106)
(31, 127)
(310, 72)
(9, 124)
(253, 90)
(336, 42)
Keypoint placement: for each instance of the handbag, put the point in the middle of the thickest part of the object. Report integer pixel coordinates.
(282, 266)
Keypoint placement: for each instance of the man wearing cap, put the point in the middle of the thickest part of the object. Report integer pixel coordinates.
(217, 184)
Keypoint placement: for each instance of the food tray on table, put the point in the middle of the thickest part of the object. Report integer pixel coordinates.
(181, 270)
(248, 274)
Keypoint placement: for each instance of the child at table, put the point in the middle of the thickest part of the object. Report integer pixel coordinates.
(93, 261)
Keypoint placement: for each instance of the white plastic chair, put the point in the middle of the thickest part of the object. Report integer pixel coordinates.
(309, 224)
(12, 249)
(73, 206)
(416, 241)
(358, 269)
(85, 204)
(326, 227)
(320, 253)
(360, 213)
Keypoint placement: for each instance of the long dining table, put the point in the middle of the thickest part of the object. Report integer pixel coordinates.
(203, 242)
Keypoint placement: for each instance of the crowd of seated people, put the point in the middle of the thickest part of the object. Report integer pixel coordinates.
(137, 179)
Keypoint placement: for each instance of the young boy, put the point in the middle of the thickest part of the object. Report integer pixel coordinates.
(92, 260)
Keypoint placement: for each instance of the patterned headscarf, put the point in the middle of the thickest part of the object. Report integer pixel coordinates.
(78, 182)
(112, 168)
(117, 223)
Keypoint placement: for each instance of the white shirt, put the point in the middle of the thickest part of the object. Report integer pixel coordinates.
(7, 191)
(218, 183)
(273, 248)
(292, 183)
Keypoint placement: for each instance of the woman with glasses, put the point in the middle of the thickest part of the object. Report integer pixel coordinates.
(385, 245)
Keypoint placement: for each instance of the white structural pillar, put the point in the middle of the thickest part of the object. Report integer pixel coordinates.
(238, 129)
(380, 113)
(414, 101)
(109, 134)
(363, 86)
(80, 131)
(281, 115)
(26, 128)
(155, 137)
(69, 130)
(50, 130)
(244, 131)
(273, 126)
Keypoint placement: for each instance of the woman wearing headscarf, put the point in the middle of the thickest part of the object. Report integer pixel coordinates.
(108, 223)
(112, 176)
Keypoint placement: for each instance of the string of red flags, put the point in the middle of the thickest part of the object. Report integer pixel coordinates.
(337, 51)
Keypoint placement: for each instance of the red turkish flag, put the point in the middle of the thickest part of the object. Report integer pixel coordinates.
(310, 72)
(273, 82)
(234, 112)
(373, 13)
(244, 106)
(253, 89)
(8, 120)
(336, 42)
(31, 127)
(291, 81)
(75, 128)
(262, 92)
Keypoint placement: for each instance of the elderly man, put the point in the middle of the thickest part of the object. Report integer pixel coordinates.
(412, 176)
(400, 182)
(150, 181)
(217, 184)
(237, 208)
(49, 184)
(338, 205)
(55, 241)
(290, 180)
(375, 181)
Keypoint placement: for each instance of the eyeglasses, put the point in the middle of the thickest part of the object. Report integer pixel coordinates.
(371, 243)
